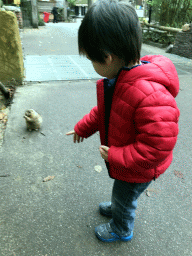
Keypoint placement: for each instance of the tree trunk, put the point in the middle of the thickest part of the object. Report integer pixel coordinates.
(173, 12)
(64, 10)
(164, 13)
(89, 4)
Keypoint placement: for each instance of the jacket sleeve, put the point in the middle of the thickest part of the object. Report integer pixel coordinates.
(88, 125)
(156, 127)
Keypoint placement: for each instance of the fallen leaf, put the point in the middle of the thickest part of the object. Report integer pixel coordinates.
(2, 115)
(148, 190)
(48, 178)
(98, 168)
(147, 193)
(5, 116)
(178, 174)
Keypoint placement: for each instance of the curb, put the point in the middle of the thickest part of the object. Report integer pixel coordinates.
(155, 44)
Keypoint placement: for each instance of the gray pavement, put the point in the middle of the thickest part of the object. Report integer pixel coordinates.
(58, 68)
(52, 39)
(51, 54)
(58, 217)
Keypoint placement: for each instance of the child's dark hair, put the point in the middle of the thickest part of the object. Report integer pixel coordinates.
(110, 27)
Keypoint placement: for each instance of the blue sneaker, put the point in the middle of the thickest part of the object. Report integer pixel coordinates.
(106, 234)
(105, 209)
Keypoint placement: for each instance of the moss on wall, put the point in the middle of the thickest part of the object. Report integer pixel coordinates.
(11, 56)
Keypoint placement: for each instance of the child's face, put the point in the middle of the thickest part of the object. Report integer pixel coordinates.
(103, 70)
(108, 69)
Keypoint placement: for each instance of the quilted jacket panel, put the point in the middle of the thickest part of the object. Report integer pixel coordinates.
(143, 122)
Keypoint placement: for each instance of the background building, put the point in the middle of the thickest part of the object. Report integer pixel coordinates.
(81, 7)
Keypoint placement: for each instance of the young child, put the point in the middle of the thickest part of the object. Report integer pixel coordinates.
(136, 113)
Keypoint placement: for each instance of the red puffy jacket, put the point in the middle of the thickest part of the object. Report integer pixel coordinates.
(143, 123)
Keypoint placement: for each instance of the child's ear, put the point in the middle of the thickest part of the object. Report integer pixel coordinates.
(109, 59)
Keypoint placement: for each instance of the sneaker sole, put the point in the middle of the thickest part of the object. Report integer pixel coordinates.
(116, 238)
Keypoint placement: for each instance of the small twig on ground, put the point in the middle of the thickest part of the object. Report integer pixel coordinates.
(5, 175)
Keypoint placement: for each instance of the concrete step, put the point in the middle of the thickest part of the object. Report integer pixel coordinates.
(58, 67)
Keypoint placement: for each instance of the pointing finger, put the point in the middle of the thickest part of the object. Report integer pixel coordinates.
(70, 133)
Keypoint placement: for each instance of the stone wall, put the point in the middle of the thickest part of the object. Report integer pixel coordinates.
(183, 44)
(11, 56)
(17, 11)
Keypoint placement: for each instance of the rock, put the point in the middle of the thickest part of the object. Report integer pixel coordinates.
(183, 44)
(98, 168)
(169, 48)
(186, 27)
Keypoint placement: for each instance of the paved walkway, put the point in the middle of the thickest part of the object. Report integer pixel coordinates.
(58, 67)
(75, 67)
(51, 54)
(58, 217)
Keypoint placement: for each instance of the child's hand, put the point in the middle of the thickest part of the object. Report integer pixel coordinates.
(104, 152)
(76, 137)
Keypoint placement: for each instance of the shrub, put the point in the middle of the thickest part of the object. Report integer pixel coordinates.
(41, 22)
(159, 38)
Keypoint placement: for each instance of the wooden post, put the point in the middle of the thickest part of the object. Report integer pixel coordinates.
(64, 10)
(34, 10)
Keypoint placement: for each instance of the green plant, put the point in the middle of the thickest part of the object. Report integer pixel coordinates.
(173, 12)
(40, 22)
(158, 38)
(60, 16)
(71, 3)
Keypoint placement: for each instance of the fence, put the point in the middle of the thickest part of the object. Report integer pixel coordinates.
(159, 34)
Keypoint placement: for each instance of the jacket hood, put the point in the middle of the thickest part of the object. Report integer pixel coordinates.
(161, 70)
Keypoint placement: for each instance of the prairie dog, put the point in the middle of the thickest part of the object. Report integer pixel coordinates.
(33, 120)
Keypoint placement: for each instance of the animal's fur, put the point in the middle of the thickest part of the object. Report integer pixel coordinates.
(33, 120)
